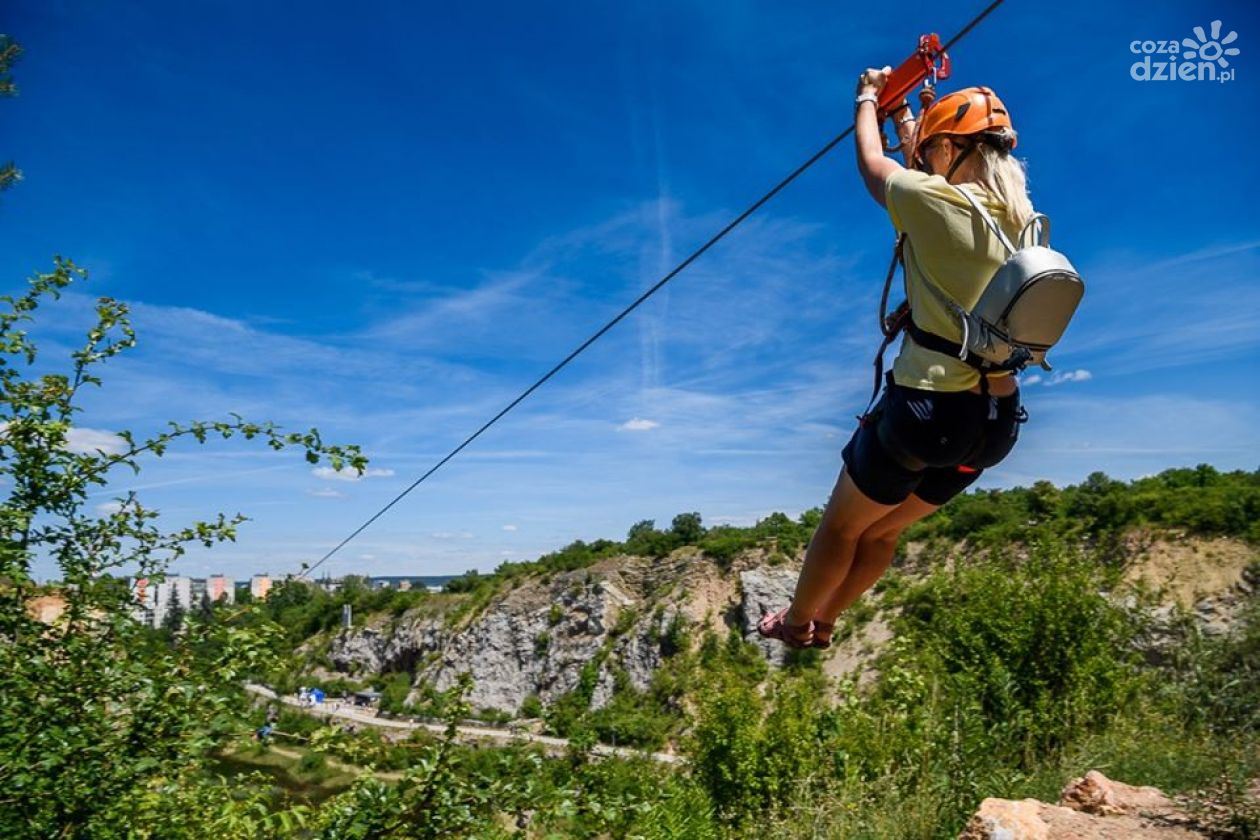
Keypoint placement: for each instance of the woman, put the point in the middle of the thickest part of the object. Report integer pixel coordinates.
(940, 422)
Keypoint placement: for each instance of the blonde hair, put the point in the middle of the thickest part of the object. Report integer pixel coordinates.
(1004, 174)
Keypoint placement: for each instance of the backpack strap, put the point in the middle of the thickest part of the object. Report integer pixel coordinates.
(939, 344)
(989, 220)
(1042, 231)
(960, 350)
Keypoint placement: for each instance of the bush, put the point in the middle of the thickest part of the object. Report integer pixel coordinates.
(312, 766)
(531, 707)
(753, 755)
(395, 689)
(1036, 649)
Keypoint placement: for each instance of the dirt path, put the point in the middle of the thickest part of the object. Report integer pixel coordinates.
(468, 734)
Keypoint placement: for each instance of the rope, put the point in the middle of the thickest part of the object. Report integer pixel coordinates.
(754, 207)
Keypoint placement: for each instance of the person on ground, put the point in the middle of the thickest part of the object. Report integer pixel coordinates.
(940, 422)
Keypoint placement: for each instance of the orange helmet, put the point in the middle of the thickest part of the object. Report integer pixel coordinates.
(973, 110)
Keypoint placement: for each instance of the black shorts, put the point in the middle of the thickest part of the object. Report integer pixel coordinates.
(933, 444)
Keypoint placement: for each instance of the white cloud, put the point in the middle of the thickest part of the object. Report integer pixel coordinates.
(451, 535)
(326, 493)
(84, 441)
(475, 308)
(1059, 377)
(1031, 379)
(108, 508)
(638, 424)
(349, 474)
(509, 527)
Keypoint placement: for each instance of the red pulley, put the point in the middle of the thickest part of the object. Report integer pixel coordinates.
(922, 65)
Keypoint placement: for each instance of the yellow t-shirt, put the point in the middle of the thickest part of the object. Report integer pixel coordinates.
(950, 245)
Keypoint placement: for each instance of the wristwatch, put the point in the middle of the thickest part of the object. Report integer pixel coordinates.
(866, 97)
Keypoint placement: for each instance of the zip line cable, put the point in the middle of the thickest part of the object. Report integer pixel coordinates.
(678, 269)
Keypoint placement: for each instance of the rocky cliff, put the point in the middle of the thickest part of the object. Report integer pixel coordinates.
(626, 615)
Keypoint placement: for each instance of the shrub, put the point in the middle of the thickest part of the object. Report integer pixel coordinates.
(1036, 649)
(531, 707)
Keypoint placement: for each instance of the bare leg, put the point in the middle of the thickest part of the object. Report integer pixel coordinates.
(875, 548)
(849, 513)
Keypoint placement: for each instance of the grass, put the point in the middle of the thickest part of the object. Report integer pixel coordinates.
(282, 766)
(1141, 748)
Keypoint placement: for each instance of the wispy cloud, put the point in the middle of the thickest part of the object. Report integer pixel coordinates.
(1073, 433)
(350, 474)
(1170, 313)
(638, 424)
(84, 441)
(1059, 377)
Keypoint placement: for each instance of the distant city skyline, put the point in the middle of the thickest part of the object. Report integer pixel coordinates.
(155, 599)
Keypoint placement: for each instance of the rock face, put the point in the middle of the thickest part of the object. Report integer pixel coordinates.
(623, 617)
(521, 645)
(1090, 808)
(765, 591)
(387, 646)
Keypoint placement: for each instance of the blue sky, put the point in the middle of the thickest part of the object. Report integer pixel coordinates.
(386, 219)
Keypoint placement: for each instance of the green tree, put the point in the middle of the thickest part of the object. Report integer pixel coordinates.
(687, 529)
(9, 52)
(96, 711)
(173, 621)
(641, 530)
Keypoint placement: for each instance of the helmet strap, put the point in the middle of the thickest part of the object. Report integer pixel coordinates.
(971, 147)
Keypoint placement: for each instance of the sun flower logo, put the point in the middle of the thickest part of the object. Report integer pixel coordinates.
(1210, 49)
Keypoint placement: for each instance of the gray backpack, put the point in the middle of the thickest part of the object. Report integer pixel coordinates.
(1022, 312)
(1026, 306)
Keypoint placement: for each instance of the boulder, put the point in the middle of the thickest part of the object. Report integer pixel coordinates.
(1090, 808)
(1095, 794)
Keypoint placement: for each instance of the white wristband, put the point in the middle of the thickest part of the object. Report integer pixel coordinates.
(866, 97)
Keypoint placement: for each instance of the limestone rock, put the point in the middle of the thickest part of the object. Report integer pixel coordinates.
(637, 654)
(1003, 819)
(520, 645)
(764, 591)
(1095, 794)
(1091, 808)
(387, 646)
(536, 638)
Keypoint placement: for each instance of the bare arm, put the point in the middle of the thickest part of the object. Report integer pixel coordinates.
(873, 165)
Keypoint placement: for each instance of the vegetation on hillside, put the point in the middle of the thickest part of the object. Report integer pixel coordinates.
(1200, 500)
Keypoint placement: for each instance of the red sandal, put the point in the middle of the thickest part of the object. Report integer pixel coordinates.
(775, 626)
(819, 628)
